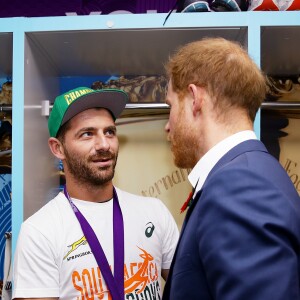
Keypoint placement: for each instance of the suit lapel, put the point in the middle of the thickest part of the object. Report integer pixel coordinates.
(166, 294)
(190, 210)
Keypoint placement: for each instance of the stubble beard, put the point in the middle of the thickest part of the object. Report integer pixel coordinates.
(81, 169)
(183, 146)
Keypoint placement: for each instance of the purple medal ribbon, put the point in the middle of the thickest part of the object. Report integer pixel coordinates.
(115, 283)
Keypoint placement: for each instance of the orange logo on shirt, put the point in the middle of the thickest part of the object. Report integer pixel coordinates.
(91, 284)
(141, 276)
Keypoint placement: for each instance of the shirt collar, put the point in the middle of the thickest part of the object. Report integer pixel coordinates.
(201, 170)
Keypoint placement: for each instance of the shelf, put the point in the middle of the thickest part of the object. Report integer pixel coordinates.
(6, 44)
(280, 50)
(281, 106)
(118, 52)
(49, 51)
(5, 107)
(162, 109)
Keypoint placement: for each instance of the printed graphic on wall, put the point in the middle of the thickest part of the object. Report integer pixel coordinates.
(280, 133)
(145, 163)
(280, 128)
(289, 152)
(5, 127)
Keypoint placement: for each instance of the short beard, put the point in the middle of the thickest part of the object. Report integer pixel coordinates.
(183, 144)
(84, 174)
(183, 152)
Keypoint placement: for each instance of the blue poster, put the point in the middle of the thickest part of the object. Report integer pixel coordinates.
(5, 215)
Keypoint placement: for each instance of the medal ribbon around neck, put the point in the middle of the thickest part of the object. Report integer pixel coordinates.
(115, 283)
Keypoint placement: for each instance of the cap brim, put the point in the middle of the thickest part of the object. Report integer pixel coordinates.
(113, 100)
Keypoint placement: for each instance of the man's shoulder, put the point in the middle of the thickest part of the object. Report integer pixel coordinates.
(52, 209)
(146, 210)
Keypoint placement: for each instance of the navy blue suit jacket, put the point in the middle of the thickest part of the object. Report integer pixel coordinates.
(241, 235)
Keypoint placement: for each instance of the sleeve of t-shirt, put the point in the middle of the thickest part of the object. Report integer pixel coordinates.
(170, 238)
(35, 272)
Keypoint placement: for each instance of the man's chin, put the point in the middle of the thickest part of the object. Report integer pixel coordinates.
(97, 181)
(181, 162)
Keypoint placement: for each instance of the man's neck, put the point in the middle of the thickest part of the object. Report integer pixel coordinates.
(101, 193)
(215, 132)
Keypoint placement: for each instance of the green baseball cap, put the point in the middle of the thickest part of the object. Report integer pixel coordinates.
(71, 103)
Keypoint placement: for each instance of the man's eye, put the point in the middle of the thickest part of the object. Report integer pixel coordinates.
(86, 134)
(111, 132)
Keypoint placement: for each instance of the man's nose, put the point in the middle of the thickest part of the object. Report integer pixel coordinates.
(101, 143)
(167, 127)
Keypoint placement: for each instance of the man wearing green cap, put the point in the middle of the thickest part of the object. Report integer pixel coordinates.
(92, 241)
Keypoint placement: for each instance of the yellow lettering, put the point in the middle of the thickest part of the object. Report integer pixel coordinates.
(77, 94)
(73, 96)
(82, 92)
(67, 99)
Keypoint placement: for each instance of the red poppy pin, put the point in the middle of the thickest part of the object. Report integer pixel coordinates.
(187, 202)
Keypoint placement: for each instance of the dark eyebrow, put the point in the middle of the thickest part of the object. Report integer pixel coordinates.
(112, 127)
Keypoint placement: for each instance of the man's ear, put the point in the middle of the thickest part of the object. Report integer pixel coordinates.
(56, 147)
(197, 94)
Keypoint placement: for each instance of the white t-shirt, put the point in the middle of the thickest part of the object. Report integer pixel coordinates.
(53, 258)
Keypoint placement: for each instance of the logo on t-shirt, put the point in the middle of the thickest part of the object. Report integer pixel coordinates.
(141, 280)
(74, 246)
(149, 229)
